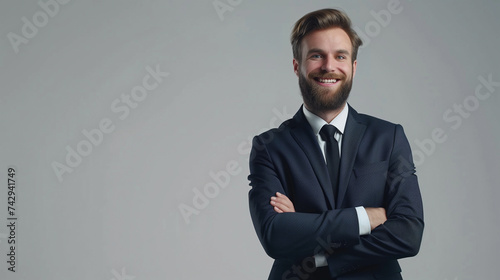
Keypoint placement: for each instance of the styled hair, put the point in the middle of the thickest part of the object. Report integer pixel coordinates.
(323, 19)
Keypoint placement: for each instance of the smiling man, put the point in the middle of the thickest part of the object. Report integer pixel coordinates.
(334, 192)
(325, 70)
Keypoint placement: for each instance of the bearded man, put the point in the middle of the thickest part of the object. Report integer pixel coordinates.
(334, 193)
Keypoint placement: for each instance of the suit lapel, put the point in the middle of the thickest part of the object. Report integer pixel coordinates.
(303, 134)
(353, 134)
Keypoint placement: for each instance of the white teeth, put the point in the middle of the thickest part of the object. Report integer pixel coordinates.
(327, 81)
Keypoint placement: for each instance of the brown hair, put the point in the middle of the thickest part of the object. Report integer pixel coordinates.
(323, 19)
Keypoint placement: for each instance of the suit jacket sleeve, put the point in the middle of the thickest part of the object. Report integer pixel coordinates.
(291, 235)
(400, 236)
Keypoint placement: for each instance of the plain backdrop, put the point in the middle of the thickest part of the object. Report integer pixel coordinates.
(110, 208)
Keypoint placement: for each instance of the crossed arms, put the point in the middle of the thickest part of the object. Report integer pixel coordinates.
(396, 219)
(282, 204)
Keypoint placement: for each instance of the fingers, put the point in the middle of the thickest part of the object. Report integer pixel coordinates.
(377, 216)
(279, 205)
(282, 203)
(278, 210)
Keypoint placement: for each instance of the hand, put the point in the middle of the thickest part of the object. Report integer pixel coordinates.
(377, 216)
(282, 203)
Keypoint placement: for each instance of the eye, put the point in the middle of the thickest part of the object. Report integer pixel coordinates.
(341, 57)
(316, 56)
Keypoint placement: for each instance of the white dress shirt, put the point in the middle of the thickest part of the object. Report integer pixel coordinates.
(339, 122)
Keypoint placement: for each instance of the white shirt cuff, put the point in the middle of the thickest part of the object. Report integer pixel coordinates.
(320, 260)
(363, 221)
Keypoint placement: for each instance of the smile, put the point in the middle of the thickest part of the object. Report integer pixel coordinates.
(326, 81)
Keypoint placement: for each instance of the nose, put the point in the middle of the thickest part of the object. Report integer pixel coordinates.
(328, 64)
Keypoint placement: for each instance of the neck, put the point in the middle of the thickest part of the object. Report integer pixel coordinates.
(327, 115)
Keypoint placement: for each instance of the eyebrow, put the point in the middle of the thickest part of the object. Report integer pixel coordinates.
(316, 50)
(342, 51)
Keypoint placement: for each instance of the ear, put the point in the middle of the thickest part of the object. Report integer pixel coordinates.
(354, 68)
(296, 67)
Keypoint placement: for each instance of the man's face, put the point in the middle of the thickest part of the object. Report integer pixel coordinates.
(325, 69)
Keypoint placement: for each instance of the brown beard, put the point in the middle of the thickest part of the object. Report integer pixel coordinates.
(320, 99)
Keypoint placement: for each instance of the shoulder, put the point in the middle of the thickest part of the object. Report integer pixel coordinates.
(376, 129)
(283, 131)
(278, 134)
(372, 122)
(376, 122)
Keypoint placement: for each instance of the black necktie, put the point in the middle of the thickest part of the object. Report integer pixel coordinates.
(327, 133)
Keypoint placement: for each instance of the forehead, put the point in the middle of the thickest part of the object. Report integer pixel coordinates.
(331, 39)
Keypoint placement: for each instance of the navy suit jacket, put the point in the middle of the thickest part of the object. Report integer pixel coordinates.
(376, 170)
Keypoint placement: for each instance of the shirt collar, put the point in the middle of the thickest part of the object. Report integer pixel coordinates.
(317, 123)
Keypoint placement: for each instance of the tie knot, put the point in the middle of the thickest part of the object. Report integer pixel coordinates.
(327, 132)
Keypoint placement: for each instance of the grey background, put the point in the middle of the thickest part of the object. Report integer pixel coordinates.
(116, 215)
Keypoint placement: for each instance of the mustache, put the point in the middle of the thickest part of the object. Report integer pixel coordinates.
(336, 76)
